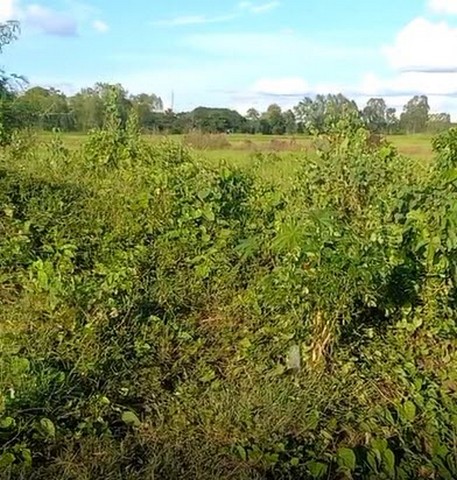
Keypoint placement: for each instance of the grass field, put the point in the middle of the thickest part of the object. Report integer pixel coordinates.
(239, 146)
(274, 309)
(278, 158)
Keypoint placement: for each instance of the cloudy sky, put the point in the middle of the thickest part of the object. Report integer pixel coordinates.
(241, 53)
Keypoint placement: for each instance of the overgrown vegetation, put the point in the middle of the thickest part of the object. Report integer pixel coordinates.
(166, 319)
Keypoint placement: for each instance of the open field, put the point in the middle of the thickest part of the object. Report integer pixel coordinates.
(266, 310)
(240, 145)
(277, 157)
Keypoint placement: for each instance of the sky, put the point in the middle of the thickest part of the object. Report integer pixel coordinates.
(241, 54)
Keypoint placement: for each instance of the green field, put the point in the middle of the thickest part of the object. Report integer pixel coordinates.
(240, 145)
(281, 155)
(272, 308)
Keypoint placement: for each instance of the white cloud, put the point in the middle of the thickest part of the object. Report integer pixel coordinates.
(411, 83)
(50, 21)
(100, 26)
(423, 45)
(444, 6)
(7, 10)
(281, 86)
(45, 19)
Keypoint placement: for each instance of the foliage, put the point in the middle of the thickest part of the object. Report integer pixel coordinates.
(9, 32)
(162, 318)
(415, 114)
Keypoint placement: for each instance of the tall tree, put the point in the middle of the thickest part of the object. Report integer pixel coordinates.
(415, 114)
(9, 32)
(392, 121)
(145, 106)
(252, 121)
(323, 113)
(375, 115)
(290, 122)
(89, 105)
(311, 114)
(275, 120)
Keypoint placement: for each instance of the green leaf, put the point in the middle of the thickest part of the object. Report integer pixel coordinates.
(208, 214)
(7, 423)
(389, 462)
(6, 460)
(380, 444)
(317, 469)
(47, 428)
(27, 456)
(20, 365)
(129, 418)
(295, 462)
(409, 411)
(241, 452)
(372, 462)
(346, 458)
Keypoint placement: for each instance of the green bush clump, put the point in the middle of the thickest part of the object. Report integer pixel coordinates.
(166, 319)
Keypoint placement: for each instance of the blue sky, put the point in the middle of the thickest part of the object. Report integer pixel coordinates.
(241, 53)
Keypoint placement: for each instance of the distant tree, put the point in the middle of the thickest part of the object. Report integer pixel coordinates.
(290, 122)
(323, 113)
(438, 122)
(275, 120)
(392, 121)
(252, 121)
(415, 115)
(375, 115)
(216, 120)
(339, 108)
(145, 106)
(311, 114)
(46, 109)
(9, 32)
(89, 105)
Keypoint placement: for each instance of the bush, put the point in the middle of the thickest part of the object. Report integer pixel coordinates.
(163, 318)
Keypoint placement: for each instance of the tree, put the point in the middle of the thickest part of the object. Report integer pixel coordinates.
(89, 105)
(145, 106)
(392, 122)
(252, 121)
(375, 115)
(311, 114)
(273, 118)
(438, 122)
(340, 108)
(87, 108)
(216, 120)
(415, 115)
(290, 122)
(45, 108)
(322, 114)
(9, 32)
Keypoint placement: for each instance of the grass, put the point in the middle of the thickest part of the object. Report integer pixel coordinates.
(155, 300)
(277, 157)
(241, 145)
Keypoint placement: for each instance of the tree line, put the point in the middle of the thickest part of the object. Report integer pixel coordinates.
(50, 109)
